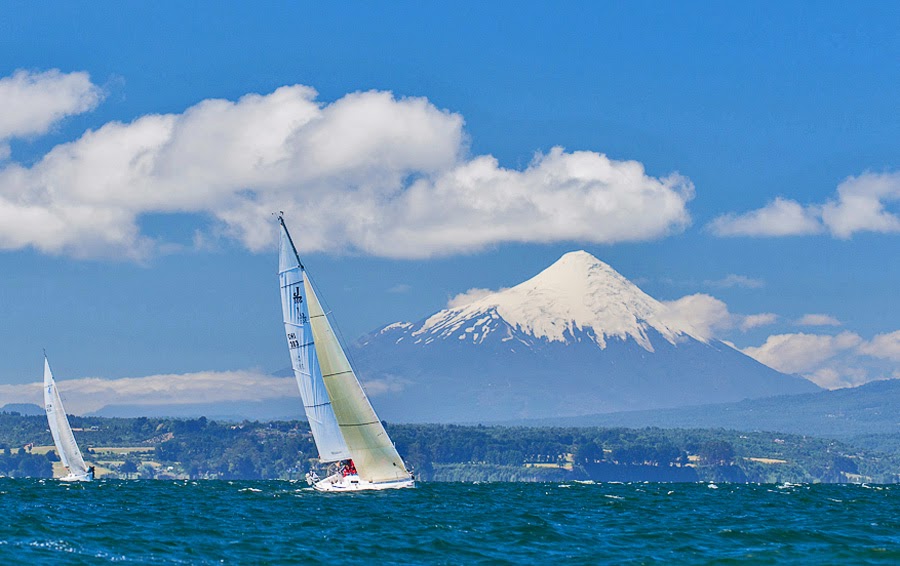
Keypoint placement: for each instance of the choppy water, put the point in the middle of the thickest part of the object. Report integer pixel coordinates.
(156, 522)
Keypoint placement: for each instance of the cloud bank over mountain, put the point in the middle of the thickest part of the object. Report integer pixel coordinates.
(832, 361)
(87, 394)
(369, 172)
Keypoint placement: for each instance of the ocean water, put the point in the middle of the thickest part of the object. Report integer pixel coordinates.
(277, 522)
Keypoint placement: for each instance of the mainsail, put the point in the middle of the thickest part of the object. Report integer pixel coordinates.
(321, 417)
(68, 450)
(340, 415)
(373, 452)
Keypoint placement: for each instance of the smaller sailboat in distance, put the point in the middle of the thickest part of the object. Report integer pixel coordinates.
(347, 432)
(66, 446)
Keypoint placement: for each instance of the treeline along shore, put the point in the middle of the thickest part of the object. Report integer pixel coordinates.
(163, 448)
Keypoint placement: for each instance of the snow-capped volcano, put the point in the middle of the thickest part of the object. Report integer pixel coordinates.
(576, 339)
(577, 296)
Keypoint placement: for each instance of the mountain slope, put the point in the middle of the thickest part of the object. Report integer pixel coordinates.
(576, 339)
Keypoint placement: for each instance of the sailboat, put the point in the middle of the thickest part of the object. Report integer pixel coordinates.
(66, 446)
(347, 432)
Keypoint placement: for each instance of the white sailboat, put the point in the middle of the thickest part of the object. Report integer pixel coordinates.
(346, 429)
(66, 446)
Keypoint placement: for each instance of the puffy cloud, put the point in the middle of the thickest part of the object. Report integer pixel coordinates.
(88, 394)
(704, 313)
(818, 320)
(560, 196)
(369, 173)
(861, 205)
(886, 346)
(757, 320)
(781, 217)
(470, 296)
(843, 360)
(733, 280)
(710, 316)
(801, 353)
(33, 102)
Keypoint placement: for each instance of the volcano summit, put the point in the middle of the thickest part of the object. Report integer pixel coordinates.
(576, 339)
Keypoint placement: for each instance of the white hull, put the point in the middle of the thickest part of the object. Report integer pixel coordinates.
(78, 477)
(337, 483)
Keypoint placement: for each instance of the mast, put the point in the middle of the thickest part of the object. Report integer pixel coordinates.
(316, 404)
(290, 240)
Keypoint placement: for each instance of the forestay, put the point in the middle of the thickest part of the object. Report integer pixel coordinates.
(318, 409)
(374, 455)
(69, 453)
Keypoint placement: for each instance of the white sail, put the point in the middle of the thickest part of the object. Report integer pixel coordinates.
(321, 417)
(68, 450)
(372, 451)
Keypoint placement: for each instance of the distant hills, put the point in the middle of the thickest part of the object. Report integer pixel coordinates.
(235, 411)
(25, 409)
(843, 413)
(577, 339)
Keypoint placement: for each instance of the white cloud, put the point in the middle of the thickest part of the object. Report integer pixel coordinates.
(369, 173)
(818, 320)
(861, 205)
(801, 353)
(704, 313)
(843, 360)
(757, 320)
(837, 361)
(781, 217)
(886, 346)
(89, 394)
(470, 296)
(710, 317)
(400, 288)
(733, 280)
(33, 102)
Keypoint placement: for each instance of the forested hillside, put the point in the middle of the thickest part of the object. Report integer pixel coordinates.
(204, 449)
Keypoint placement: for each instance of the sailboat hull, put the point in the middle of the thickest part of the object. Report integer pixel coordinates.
(337, 483)
(78, 477)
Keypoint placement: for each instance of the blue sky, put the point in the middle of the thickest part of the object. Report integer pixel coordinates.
(780, 121)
